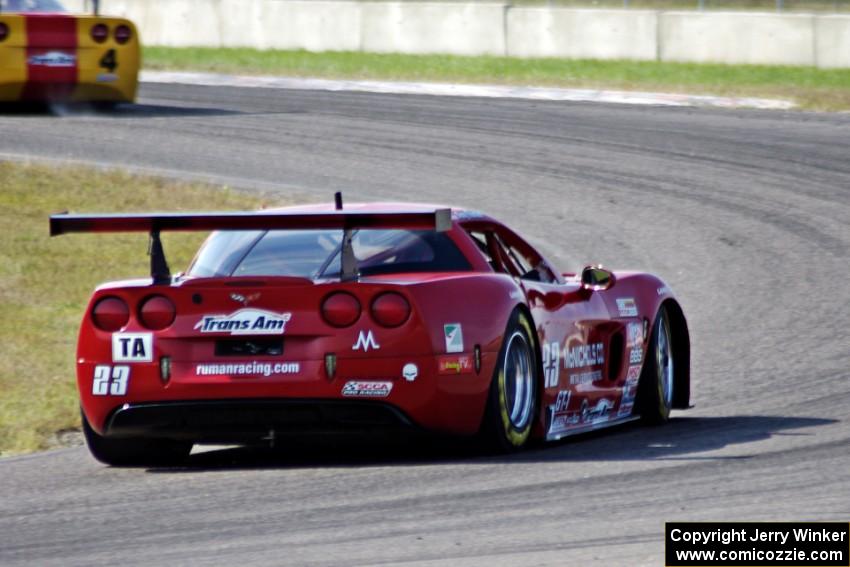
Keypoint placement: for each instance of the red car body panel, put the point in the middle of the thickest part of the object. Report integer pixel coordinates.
(590, 344)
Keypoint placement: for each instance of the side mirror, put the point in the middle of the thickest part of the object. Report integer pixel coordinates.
(596, 278)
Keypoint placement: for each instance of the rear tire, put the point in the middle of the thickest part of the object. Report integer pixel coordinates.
(655, 389)
(134, 452)
(512, 402)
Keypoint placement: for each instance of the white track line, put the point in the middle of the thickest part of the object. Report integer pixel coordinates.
(446, 89)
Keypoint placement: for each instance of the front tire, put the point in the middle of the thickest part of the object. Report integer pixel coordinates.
(655, 389)
(134, 452)
(512, 401)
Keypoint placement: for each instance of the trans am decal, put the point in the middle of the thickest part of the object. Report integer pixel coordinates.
(245, 322)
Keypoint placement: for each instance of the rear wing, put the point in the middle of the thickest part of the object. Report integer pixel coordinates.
(439, 220)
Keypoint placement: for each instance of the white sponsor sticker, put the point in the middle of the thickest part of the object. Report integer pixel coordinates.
(132, 347)
(584, 355)
(247, 321)
(634, 334)
(598, 413)
(252, 368)
(636, 355)
(627, 307)
(410, 372)
(585, 378)
(627, 401)
(53, 59)
(356, 389)
(366, 341)
(454, 337)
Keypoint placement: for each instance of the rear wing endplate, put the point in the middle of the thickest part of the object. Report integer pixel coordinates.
(439, 220)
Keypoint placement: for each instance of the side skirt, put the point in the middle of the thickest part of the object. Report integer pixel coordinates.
(592, 427)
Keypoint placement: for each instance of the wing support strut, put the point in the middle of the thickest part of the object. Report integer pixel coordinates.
(160, 272)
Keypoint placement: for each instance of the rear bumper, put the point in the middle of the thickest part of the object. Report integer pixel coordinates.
(66, 92)
(201, 407)
(222, 421)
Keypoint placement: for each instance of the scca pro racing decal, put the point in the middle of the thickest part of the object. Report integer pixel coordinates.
(245, 322)
(132, 347)
(110, 380)
(367, 389)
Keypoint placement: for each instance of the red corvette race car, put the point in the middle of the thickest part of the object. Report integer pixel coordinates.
(382, 316)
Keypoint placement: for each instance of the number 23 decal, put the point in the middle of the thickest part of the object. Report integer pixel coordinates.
(109, 61)
(110, 380)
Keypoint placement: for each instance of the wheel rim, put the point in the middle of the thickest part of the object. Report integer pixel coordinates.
(519, 383)
(664, 361)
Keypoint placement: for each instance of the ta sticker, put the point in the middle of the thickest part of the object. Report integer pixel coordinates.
(132, 347)
(454, 337)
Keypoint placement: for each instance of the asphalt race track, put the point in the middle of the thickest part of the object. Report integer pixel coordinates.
(745, 213)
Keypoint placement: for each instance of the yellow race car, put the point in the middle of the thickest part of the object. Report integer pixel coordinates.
(49, 55)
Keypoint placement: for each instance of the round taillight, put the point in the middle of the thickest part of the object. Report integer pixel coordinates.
(340, 309)
(110, 314)
(157, 312)
(100, 32)
(123, 34)
(4, 31)
(390, 309)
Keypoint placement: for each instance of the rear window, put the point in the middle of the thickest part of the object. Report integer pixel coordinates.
(316, 253)
(31, 6)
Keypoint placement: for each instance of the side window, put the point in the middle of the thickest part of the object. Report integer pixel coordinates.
(480, 238)
(530, 264)
(495, 252)
(516, 259)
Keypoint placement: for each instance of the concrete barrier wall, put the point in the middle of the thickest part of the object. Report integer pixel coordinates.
(478, 28)
(737, 38)
(832, 41)
(295, 24)
(456, 28)
(582, 34)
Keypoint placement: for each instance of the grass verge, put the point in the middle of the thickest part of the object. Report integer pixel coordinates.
(45, 283)
(811, 88)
